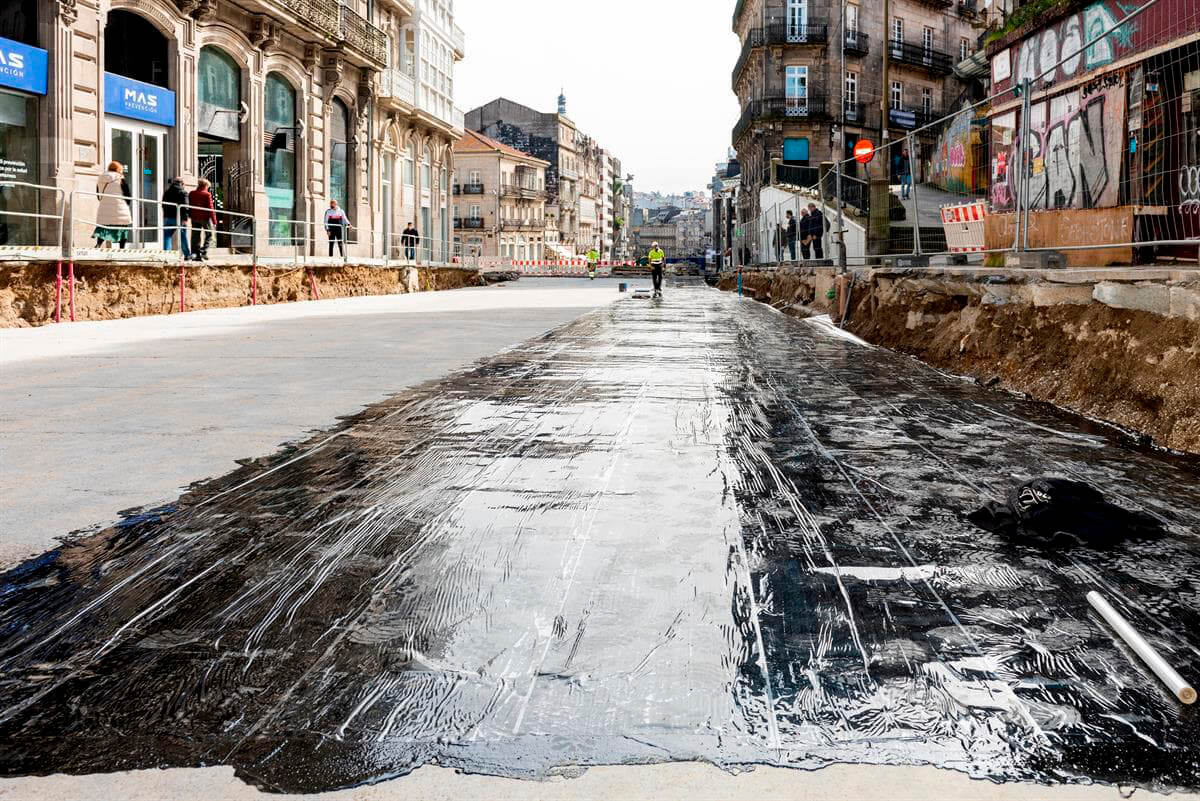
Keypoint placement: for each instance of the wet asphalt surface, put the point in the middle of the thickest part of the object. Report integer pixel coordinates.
(694, 529)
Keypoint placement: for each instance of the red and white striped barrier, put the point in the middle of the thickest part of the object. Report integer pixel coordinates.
(560, 268)
(964, 225)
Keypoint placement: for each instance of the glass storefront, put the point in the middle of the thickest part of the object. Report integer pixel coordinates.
(18, 162)
(339, 156)
(220, 94)
(279, 120)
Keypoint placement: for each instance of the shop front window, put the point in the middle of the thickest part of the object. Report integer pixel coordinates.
(279, 161)
(18, 163)
(339, 155)
(220, 94)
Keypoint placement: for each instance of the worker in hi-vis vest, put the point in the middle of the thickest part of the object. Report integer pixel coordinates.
(593, 259)
(658, 261)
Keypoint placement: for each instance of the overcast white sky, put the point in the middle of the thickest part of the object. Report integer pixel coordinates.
(623, 63)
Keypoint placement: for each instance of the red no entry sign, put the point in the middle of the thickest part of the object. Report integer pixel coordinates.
(864, 151)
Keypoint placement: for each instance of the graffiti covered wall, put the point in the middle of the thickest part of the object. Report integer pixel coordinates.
(957, 164)
(1074, 151)
(1039, 54)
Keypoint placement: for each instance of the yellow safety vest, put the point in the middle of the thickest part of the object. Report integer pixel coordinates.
(657, 255)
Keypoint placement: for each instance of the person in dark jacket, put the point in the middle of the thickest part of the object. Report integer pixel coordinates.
(204, 219)
(409, 240)
(791, 235)
(175, 217)
(816, 223)
(805, 242)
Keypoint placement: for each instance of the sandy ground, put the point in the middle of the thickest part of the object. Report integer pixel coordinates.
(100, 417)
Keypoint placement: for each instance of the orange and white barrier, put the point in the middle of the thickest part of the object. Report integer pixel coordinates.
(964, 226)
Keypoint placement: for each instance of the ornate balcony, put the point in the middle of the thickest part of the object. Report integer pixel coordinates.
(397, 88)
(913, 55)
(468, 222)
(328, 23)
(468, 189)
(779, 34)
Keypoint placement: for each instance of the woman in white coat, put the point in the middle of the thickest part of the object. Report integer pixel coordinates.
(113, 217)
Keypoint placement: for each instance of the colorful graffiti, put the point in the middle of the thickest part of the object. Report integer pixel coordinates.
(1073, 154)
(1162, 22)
(957, 161)
(1038, 57)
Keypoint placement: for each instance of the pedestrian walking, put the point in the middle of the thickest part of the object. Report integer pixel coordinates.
(175, 217)
(336, 224)
(817, 225)
(113, 215)
(409, 239)
(203, 215)
(657, 259)
(805, 242)
(791, 235)
(904, 170)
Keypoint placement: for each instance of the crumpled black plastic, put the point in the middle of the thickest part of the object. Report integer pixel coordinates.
(1064, 512)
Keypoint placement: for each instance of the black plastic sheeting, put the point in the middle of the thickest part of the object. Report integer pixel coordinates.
(694, 529)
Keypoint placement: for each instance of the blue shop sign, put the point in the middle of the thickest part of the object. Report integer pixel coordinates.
(126, 97)
(22, 66)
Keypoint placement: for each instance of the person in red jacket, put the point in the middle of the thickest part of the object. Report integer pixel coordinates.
(204, 219)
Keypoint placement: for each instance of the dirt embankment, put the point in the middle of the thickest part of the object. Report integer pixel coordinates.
(1134, 368)
(106, 292)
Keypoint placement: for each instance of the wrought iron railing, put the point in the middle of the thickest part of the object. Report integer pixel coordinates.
(360, 34)
(468, 189)
(468, 222)
(857, 43)
(920, 56)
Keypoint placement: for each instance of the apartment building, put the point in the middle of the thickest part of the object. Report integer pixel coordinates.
(801, 107)
(576, 170)
(499, 199)
(282, 106)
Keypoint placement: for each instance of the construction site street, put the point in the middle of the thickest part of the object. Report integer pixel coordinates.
(557, 528)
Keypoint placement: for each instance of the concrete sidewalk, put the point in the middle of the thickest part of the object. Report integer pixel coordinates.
(100, 417)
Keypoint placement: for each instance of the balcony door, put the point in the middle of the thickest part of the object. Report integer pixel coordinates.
(796, 91)
(797, 20)
(852, 25)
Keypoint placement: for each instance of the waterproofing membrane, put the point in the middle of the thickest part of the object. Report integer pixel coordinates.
(694, 529)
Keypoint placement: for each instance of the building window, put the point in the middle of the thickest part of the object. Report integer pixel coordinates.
(851, 24)
(897, 95)
(796, 90)
(474, 177)
(927, 103)
(19, 153)
(927, 42)
(851, 89)
(339, 154)
(427, 172)
(409, 168)
(964, 49)
(897, 29)
(219, 93)
(279, 158)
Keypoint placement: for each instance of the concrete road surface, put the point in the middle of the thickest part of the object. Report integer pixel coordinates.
(690, 531)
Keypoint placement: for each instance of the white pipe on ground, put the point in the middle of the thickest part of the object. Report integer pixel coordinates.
(1181, 689)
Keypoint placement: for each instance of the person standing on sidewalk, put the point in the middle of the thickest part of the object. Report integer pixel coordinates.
(904, 169)
(175, 217)
(791, 235)
(336, 223)
(114, 219)
(816, 225)
(409, 239)
(204, 219)
(593, 259)
(658, 260)
(805, 242)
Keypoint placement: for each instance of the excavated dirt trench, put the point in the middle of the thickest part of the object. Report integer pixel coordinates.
(106, 292)
(1136, 369)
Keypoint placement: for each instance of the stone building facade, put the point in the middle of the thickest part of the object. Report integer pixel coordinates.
(575, 205)
(499, 199)
(283, 105)
(801, 108)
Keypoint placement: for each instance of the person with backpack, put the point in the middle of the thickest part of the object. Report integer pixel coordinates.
(114, 218)
(203, 214)
(175, 217)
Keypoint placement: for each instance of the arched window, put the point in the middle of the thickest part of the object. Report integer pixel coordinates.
(339, 154)
(279, 161)
(219, 94)
(133, 47)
